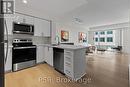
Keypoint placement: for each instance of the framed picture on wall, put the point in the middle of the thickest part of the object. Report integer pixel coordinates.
(82, 37)
(64, 36)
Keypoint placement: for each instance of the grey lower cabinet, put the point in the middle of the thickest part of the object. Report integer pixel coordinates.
(40, 54)
(49, 55)
(74, 63)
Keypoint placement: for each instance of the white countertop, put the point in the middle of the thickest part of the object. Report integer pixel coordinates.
(71, 47)
(44, 45)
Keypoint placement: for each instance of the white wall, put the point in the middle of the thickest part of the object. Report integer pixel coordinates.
(126, 41)
(91, 37)
(110, 27)
(73, 33)
(126, 38)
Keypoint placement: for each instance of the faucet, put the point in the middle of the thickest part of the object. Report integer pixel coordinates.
(57, 38)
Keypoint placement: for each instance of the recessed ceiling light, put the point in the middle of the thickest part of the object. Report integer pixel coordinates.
(18, 22)
(25, 1)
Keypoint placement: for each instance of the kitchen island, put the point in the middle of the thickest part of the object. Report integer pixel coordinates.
(72, 60)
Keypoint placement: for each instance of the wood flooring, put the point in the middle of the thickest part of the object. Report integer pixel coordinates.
(103, 70)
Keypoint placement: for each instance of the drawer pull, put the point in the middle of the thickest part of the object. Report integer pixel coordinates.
(67, 64)
(68, 59)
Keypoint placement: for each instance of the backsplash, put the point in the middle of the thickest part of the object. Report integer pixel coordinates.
(41, 40)
(36, 39)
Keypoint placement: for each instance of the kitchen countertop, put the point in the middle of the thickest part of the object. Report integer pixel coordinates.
(71, 47)
(44, 45)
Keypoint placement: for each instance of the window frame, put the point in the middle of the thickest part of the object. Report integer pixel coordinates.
(102, 33)
(102, 38)
(109, 39)
(109, 32)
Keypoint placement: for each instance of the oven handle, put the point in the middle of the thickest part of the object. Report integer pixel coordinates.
(24, 47)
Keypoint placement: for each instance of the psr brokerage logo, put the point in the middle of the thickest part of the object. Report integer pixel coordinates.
(7, 7)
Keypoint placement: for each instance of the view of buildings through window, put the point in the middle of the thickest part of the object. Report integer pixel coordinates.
(105, 37)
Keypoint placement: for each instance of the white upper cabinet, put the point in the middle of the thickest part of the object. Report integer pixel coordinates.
(19, 18)
(42, 27)
(38, 27)
(29, 20)
(53, 33)
(23, 19)
(46, 28)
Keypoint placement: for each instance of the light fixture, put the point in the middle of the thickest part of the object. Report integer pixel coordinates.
(18, 22)
(25, 1)
(77, 20)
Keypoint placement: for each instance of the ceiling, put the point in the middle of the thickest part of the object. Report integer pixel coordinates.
(89, 12)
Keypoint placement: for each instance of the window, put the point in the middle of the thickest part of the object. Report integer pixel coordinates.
(102, 39)
(109, 32)
(96, 33)
(109, 39)
(96, 39)
(102, 33)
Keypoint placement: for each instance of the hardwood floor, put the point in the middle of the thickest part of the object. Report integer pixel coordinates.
(103, 70)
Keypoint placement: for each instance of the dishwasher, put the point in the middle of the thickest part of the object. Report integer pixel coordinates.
(58, 59)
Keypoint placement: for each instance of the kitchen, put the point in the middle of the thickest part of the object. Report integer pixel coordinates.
(24, 52)
(47, 41)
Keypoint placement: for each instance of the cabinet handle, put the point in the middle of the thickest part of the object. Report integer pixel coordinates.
(68, 52)
(48, 48)
(68, 64)
(24, 20)
(68, 57)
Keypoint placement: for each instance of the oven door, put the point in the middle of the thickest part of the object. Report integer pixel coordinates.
(23, 57)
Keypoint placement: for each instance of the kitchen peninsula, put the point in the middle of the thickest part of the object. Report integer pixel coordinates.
(70, 60)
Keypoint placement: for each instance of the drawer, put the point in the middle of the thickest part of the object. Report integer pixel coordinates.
(68, 53)
(67, 64)
(68, 59)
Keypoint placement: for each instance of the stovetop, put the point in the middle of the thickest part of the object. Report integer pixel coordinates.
(22, 43)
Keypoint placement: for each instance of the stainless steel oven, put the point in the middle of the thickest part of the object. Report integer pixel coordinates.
(23, 55)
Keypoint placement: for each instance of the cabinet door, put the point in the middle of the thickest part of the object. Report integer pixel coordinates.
(46, 28)
(49, 55)
(8, 64)
(19, 18)
(53, 33)
(23, 19)
(68, 63)
(29, 20)
(42, 27)
(38, 27)
(40, 54)
(46, 53)
(50, 60)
